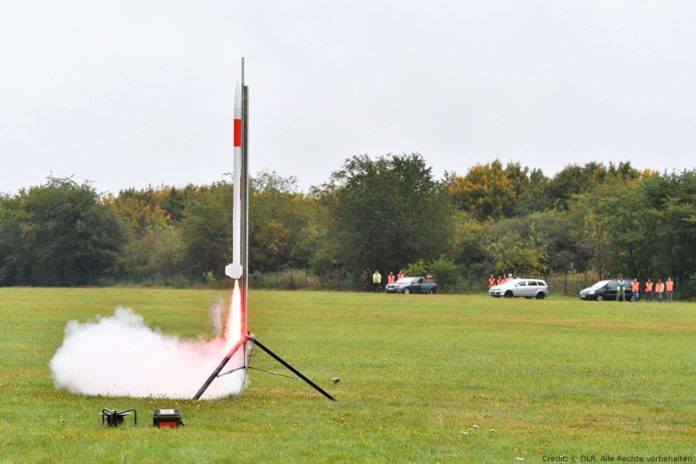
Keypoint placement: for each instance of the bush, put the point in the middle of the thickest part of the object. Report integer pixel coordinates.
(444, 272)
(419, 268)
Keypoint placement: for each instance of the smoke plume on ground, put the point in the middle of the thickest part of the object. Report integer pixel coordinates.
(121, 356)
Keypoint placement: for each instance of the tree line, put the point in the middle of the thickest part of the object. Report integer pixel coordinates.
(387, 213)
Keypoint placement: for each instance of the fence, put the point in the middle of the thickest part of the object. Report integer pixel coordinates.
(296, 279)
(302, 279)
(570, 283)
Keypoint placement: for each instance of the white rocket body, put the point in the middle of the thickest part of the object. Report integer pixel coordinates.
(234, 270)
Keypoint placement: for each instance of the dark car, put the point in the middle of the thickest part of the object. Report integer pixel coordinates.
(412, 285)
(605, 290)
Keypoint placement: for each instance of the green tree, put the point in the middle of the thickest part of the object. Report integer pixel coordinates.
(154, 246)
(207, 230)
(284, 224)
(573, 180)
(671, 203)
(444, 272)
(617, 230)
(61, 234)
(159, 251)
(493, 191)
(522, 250)
(416, 268)
(387, 212)
(486, 191)
(563, 240)
(10, 239)
(535, 197)
(469, 246)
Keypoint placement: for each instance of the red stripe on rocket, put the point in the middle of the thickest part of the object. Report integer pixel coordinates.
(237, 133)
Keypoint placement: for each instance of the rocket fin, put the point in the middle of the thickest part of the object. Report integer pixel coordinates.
(233, 270)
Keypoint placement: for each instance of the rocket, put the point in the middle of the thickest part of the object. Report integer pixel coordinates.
(240, 233)
(235, 268)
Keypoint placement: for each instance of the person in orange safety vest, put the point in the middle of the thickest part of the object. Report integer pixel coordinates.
(635, 290)
(491, 281)
(648, 290)
(391, 278)
(659, 289)
(669, 288)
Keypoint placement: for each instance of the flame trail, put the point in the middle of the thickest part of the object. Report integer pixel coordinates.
(233, 327)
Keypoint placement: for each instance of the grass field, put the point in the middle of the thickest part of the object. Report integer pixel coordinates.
(423, 379)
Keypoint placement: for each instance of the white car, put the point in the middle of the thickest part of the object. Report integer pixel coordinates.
(527, 288)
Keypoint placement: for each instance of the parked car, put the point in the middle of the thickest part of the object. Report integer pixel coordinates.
(527, 288)
(605, 290)
(412, 285)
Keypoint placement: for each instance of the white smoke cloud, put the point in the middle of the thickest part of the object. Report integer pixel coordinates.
(122, 356)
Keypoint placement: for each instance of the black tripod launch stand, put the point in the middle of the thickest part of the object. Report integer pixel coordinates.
(254, 342)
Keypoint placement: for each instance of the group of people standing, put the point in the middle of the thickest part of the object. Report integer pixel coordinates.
(493, 280)
(391, 278)
(662, 290)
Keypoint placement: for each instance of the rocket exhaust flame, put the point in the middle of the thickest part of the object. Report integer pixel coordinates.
(233, 326)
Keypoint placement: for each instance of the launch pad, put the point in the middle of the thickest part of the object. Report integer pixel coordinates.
(247, 365)
(238, 269)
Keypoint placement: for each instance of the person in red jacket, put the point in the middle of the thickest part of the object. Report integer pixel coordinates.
(669, 288)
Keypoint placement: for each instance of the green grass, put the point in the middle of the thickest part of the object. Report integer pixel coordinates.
(538, 378)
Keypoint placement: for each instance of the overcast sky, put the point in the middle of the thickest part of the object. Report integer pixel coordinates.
(135, 92)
